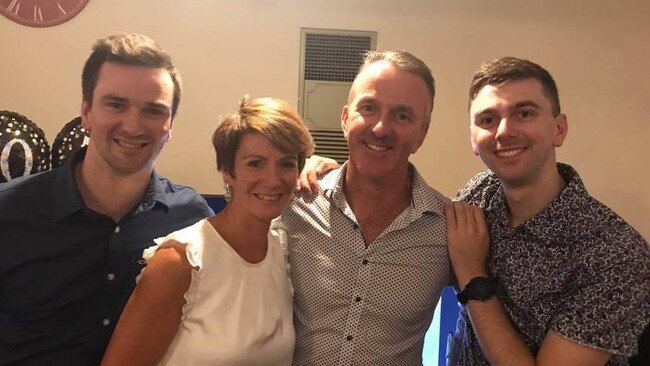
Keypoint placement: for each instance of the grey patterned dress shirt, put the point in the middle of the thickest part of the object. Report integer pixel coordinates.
(357, 304)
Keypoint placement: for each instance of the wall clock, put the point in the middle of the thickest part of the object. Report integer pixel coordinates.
(41, 13)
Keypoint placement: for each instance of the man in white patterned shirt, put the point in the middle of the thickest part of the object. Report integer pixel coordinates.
(368, 252)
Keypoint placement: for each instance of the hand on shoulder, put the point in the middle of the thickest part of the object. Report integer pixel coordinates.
(315, 167)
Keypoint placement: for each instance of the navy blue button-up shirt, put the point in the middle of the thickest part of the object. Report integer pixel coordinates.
(66, 272)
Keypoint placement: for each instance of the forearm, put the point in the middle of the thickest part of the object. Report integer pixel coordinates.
(499, 340)
(140, 339)
(502, 344)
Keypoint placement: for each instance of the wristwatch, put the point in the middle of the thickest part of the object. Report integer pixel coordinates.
(478, 288)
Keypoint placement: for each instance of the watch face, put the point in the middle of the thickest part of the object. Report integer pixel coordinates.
(483, 289)
(41, 13)
(479, 288)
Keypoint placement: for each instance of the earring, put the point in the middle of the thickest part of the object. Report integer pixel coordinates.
(227, 196)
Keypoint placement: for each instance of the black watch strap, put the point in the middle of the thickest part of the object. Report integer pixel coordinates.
(478, 288)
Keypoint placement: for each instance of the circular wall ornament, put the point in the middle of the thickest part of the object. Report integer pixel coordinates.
(71, 138)
(41, 13)
(23, 147)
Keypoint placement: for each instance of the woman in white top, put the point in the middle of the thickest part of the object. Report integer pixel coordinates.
(217, 292)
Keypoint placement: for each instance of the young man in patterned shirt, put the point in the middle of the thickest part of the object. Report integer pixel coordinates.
(561, 279)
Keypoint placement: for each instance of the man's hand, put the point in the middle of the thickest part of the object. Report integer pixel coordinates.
(468, 241)
(315, 166)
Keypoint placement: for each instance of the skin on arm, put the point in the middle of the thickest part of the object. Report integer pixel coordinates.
(501, 344)
(153, 313)
(315, 166)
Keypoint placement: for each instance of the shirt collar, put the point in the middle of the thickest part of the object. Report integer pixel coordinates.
(68, 200)
(156, 193)
(66, 196)
(424, 199)
(548, 224)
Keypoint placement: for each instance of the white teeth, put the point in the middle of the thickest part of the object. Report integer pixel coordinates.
(268, 197)
(510, 152)
(130, 145)
(376, 147)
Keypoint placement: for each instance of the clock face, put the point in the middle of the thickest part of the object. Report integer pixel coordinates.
(41, 13)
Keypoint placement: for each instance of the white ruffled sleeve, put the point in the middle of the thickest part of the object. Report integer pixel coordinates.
(148, 253)
(192, 251)
(193, 255)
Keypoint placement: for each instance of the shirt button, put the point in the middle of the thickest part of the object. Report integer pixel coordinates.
(357, 299)
(365, 261)
(110, 276)
(106, 322)
(117, 230)
(349, 338)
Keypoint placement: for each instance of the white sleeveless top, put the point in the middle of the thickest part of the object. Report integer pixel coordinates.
(237, 313)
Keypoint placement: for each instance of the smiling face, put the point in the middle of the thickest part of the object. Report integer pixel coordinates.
(514, 131)
(264, 178)
(385, 121)
(130, 118)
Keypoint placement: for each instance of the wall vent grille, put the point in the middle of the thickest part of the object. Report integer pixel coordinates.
(331, 143)
(329, 62)
(331, 57)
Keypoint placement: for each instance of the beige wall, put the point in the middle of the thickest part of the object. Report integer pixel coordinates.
(226, 48)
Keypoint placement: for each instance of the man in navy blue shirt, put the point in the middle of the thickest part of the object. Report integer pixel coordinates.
(71, 239)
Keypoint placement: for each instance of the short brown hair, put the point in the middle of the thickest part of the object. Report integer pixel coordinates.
(405, 61)
(127, 49)
(273, 118)
(503, 69)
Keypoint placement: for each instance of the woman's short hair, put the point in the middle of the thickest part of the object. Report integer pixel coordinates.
(273, 118)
